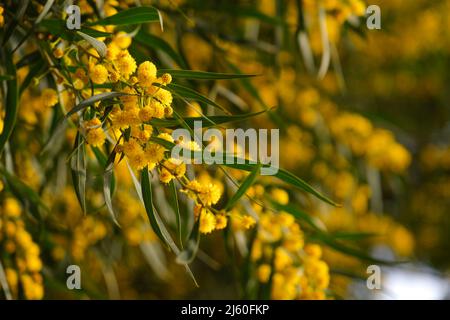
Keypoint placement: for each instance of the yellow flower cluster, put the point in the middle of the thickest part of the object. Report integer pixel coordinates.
(296, 270)
(205, 195)
(21, 260)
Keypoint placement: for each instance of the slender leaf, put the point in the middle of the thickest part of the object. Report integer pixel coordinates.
(247, 183)
(202, 75)
(190, 94)
(154, 42)
(148, 203)
(188, 254)
(12, 100)
(98, 45)
(210, 121)
(92, 100)
(298, 214)
(135, 15)
(78, 170)
(173, 191)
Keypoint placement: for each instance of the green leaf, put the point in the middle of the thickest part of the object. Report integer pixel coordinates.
(12, 25)
(287, 177)
(154, 42)
(202, 75)
(98, 45)
(176, 207)
(246, 165)
(78, 170)
(188, 254)
(156, 223)
(295, 181)
(298, 214)
(354, 252)
(135, 15)
(247, 183)
(58, 27)
(11, 101)
(91, 100)
(353, 236)
(210, 121)
(148, 203)
(108, 180)
(190, 94)
(6, 77)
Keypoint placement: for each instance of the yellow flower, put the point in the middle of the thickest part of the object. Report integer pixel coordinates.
(313, 250)
(125, 63)
(49, 97)
(166, 78)
(95, 137)
(165, 176)
(146, 74)
(146, 113)
(154, 152)
(264, 271)
(98, 74)
(131, 147)
(280, 195)
(207, 221)
(122, 40)
(209, 194)
(247, 222)
(164, 97)
(221, 221)
(11, 208)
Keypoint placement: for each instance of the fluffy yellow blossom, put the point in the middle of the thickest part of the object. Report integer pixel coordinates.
(207, 221)
(49, 97)
(146, 73)
(122, 40)
(264, 271)
(125, 64)
(165, 176)
(221, 221)
(98, 74)
(95, 135)
(209, 194)
(154, 152)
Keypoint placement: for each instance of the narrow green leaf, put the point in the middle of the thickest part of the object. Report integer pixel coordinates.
(91, 100)
(148, 203)
(131, 16)
(210, 121)
(108, 180)
(354, 252)
(298, 214)
(173, 191)
(6, 77)
(98, 45)
(245, 164)
(188, 254)
(156, 43)
(78, 170)
(247, 183)
(202, 75)
(190, 94)
(11, 102)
